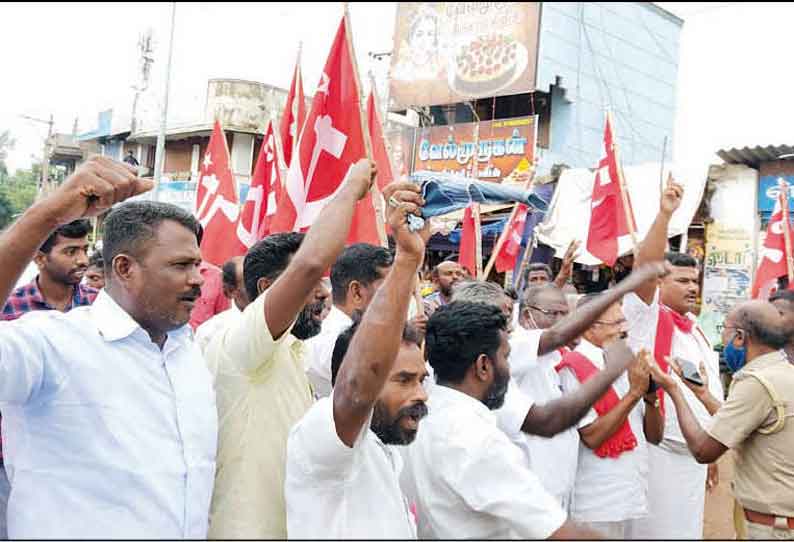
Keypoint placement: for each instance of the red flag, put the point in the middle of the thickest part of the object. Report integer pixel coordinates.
(774, 253)
(467, 257)
(508, 254)
(608, 217)
(331, 142)
(216, 201)
(260, 205)
(380, 154)
(294, 114)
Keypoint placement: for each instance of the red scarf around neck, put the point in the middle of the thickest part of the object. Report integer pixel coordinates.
(622, 440)
(669, 320)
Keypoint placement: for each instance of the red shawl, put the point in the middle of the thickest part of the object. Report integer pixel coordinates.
(622, 440)
(665, 328)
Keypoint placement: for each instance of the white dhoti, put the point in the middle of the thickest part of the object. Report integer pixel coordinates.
(676, 496)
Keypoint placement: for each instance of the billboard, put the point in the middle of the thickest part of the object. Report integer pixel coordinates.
(505, 147)
(448, 52)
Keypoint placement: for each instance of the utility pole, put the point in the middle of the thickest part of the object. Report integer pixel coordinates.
(45, 162)
(159, 157)
(146, 51)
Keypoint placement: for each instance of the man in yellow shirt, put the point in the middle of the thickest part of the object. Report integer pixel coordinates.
(261, 386)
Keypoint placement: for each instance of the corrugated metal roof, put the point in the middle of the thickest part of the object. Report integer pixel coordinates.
(753, 156)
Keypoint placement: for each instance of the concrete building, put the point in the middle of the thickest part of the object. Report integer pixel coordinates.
(243, 107)
(594, 56)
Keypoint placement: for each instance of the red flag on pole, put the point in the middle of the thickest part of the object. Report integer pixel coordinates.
(508, 254)
(379, 152)
(260, 205)
(775, 251)
(467, 256)
(608, 216)
(216, 201)
(331, 142)
(294, 114)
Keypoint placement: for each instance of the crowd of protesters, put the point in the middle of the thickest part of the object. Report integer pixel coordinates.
(146, 394)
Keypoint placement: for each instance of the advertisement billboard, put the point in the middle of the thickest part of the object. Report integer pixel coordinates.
(449, 52)
(505, 147)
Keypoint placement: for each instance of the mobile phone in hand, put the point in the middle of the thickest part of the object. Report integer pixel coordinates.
(689, 371)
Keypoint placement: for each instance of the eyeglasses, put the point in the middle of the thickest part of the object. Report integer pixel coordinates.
(612, 323)
(546, 312)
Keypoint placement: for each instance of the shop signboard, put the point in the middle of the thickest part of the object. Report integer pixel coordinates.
(504, 148)
(768, 190)
(727, 274)
(449, 52)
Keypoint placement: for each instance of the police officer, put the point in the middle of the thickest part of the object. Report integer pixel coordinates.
(756, 421)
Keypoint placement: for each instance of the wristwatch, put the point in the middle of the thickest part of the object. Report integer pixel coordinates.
(655, 403)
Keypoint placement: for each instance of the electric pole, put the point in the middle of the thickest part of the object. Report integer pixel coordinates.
(159, 157)
(45, 162)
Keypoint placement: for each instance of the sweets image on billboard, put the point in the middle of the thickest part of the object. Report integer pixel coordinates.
(448, 52)
(487, 64)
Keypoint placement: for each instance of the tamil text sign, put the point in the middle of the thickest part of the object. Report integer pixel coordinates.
(502, 148)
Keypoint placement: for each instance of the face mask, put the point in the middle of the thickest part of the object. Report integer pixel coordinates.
(734, 357)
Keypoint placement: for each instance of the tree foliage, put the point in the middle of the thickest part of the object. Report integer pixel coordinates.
(17, 191)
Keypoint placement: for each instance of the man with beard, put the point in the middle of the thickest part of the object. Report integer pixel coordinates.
(62, 261)
(342, 472)
(112, 421)
(467, 478)
(444, 276)
(259, 364)
(537, 416)
(661, 321)
(610, 492)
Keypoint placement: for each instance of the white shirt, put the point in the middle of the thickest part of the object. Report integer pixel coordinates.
(337, 492)
(469, 481)
(105, 435)
(320, 350)
(553, 460)
(206, 331)
(694, 347)
(609, 489)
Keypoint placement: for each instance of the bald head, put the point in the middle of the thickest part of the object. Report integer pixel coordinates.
(757, 324)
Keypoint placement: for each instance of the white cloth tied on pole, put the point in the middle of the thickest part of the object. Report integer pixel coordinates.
(568, 217)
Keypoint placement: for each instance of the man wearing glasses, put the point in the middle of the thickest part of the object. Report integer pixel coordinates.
(546, 428)
(611, 480)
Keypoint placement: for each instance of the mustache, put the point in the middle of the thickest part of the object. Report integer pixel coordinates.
(418, 411)
(194, 294)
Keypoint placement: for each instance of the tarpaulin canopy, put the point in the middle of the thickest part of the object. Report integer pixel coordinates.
(568, 216)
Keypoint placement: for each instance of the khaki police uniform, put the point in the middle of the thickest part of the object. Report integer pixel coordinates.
(757, 422)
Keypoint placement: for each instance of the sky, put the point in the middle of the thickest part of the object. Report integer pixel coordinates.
(734, 84)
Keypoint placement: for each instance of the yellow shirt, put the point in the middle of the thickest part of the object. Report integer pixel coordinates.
(764, 463)
(262, 391)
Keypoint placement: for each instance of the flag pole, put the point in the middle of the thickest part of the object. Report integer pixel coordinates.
(623, 191)
(786, 233)
(377, 199)
(298, 84)
(503, 237)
